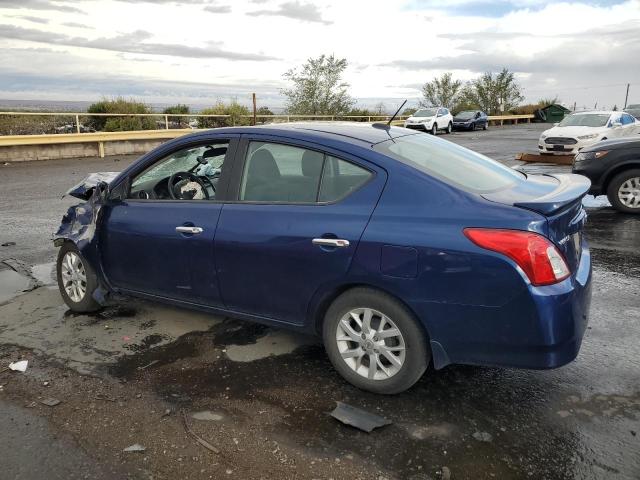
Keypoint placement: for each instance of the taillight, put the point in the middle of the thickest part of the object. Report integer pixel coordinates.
(534, 253)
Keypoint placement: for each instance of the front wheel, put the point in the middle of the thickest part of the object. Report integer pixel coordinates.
(449, 127)
(374, 342)
(624, 191)
(485, 126)
(434, 129)
(76, 280)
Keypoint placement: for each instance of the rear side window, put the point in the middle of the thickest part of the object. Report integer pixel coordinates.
(450, 163)
(282, 173)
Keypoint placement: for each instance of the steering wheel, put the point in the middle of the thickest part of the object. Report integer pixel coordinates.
(184, 177)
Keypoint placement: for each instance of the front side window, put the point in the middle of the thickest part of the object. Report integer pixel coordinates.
(187, 174)
(451, 163)
(282, 173)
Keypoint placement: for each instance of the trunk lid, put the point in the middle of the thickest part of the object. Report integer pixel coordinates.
(559, 198)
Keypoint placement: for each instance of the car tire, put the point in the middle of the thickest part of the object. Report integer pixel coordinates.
(76, 280)
(434, 129)
(411, 346)
(485, 125)
(629, 179)
(449, 128)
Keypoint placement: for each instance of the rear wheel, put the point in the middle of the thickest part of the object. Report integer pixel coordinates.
(449, 127)
(434, 129)
(624, 191)
(76, 280)
(374, 342)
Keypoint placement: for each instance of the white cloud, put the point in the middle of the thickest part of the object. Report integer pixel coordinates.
(581, 51)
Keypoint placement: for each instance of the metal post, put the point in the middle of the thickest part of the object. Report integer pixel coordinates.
(288, 120)
(254, 108)
(78, 123)
(626, 96)
(166, 121)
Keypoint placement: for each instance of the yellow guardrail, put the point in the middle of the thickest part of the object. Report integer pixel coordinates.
(168, 133)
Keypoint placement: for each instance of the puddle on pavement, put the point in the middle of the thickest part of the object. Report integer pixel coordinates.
(12, 284)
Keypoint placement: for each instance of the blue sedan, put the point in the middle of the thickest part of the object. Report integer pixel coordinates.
(399, 249)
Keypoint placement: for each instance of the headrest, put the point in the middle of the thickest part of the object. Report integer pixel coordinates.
(312, 163)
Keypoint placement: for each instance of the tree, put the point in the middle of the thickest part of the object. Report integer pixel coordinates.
(493, 93)
(441, 91)
(380, 108)
(318, 88)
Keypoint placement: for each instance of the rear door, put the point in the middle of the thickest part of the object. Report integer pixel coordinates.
(298, 214)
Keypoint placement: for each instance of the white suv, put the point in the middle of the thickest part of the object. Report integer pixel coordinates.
(431, 120)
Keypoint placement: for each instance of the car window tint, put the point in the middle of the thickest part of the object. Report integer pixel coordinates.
(340, 178)
(281, 173)
(204, 162)
(451, 163)
(627, 119)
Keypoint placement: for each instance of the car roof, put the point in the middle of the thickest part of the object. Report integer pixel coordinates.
(349, 132)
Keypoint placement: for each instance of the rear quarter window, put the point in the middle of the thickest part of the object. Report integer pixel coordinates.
(455, 165)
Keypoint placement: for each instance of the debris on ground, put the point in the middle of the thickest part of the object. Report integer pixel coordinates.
(136, 447)
(552, 159)
(8, 244)
(358, 418)
(20, 366)
(50, 402)
(144, 367)
(483, 436)
(446, 473)
(207, 415)
(198, 439)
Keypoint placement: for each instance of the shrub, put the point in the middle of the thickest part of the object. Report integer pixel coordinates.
(120, 124)
(233, 109)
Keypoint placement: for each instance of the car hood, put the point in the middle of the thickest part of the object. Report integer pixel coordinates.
(617, 144)
(573, 132)
(84, 189)
(419, 119)
(462, 120)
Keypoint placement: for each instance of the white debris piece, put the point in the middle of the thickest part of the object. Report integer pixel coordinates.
(20, 366)
(136, 447)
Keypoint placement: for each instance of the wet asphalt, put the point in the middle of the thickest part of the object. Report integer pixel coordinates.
(581, 421)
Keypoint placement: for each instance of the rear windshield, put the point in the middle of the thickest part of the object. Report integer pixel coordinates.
(451, 163)
(585, 120)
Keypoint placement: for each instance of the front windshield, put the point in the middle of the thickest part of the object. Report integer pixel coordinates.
(466, 114)
(426, 112)
(585, 120)
(451, 163)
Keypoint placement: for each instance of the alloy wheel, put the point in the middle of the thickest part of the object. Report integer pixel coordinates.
(629, 193)
(370, 344)
(74, 276)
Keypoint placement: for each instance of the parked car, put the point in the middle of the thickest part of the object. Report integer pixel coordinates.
(470, 120)
(431, 120)
(398, 248)
(634, 110)
(580, 130)
(613, 166)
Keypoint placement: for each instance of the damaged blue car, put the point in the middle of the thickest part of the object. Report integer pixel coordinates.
(399, 249)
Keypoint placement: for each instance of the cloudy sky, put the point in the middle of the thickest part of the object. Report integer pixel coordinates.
(197, 51)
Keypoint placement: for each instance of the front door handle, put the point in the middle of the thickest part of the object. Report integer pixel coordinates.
(192, 230)
(330, 242)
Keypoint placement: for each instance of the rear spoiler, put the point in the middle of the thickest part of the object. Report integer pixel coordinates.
(569, 189)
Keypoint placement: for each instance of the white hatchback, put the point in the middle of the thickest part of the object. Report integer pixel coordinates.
(431, 120)
(580, 130)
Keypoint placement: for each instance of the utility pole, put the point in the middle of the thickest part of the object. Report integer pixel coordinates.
(626, 96)
(254, 108)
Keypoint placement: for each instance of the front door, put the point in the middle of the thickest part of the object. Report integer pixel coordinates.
(294, 227)
(158, 239)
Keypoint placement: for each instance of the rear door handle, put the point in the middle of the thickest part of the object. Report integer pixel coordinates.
(192, 230)
(330, 242)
